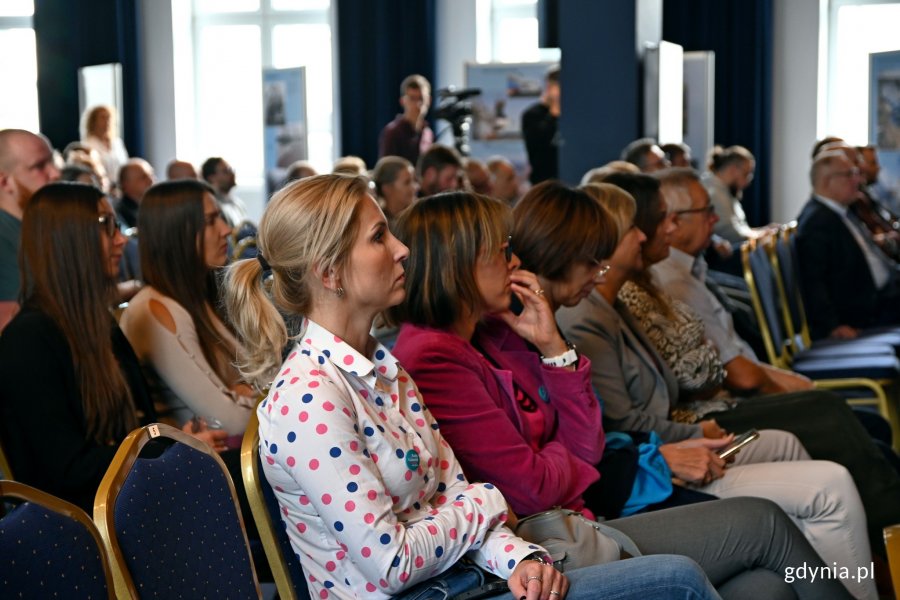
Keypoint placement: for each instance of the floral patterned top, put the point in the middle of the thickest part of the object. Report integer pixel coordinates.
(681, 341)
(373, 496)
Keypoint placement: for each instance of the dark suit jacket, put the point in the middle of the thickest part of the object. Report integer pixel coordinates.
(837, 284)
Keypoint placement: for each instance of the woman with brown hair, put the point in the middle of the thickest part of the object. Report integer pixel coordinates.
(515, 401)
(395, 185)
(72, 387)
(186, 348)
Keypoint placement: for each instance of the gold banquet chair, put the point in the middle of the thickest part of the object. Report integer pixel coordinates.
(283, 561)
(49, 548)
(169, 518)
(861, 377)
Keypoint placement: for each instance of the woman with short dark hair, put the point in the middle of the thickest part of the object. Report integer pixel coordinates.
(515, 401)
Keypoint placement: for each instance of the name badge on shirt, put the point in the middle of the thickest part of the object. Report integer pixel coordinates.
(412, 460)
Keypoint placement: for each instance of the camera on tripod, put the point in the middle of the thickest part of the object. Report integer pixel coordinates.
(453, 106)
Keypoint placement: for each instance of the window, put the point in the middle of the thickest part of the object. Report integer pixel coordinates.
(511, 34)
(233, 41)
(18, 66)
(855, 29)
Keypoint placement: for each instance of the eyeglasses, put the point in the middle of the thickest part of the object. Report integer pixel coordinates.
(854, 172)
(601, 272)
(709, 209)
(111, 223)
(508, 251)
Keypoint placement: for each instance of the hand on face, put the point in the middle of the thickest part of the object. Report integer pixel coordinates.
(536, 322)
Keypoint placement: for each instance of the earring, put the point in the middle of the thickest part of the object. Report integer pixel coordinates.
(339, 292)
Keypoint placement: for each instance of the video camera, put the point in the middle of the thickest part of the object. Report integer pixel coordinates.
(454, 108)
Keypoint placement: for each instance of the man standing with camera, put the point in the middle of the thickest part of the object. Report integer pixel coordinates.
(409, 134)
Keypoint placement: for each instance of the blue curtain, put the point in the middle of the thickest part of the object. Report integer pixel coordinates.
(741, 35)
(379, 43)
(71, 35)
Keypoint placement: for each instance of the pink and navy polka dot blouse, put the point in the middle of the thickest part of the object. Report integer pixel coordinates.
(371, 492)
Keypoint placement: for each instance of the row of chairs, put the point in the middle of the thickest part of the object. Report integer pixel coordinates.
(167, 524)
(865, 371)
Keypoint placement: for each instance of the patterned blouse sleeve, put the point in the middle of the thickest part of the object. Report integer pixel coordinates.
(317, 439)
(679, 340)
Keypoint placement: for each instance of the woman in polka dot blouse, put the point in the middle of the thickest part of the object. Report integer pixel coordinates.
(516, 402)
(374, 500)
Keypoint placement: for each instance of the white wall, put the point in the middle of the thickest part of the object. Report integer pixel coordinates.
(159, 84)
(456, 45)
(794, 104)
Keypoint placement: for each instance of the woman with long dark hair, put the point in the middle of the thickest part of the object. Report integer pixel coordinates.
(186, 347)
(71, 386)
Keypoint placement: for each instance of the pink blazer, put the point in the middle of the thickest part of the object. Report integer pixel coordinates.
(474, 403)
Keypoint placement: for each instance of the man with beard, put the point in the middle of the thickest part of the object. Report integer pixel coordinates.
(26, 165)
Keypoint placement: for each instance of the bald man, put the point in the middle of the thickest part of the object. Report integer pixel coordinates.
(180, 169)
(135, 177)
(26, 165)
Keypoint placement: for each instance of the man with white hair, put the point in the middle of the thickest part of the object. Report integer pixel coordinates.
(26, 165)
(847, 280)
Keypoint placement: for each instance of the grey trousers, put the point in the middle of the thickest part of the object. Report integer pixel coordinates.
(748, 547)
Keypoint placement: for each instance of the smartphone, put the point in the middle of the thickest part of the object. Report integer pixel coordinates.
(738, 443)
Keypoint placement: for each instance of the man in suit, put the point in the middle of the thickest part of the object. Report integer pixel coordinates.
(848, 283)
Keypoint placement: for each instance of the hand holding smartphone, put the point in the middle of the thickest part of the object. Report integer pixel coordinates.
(738, 443)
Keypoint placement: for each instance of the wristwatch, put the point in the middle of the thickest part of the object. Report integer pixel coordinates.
(540, 557)
(569, 357)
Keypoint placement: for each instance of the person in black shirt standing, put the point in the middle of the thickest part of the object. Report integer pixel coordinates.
(539, 128)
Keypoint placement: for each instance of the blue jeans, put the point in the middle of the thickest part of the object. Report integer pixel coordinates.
(658, 577)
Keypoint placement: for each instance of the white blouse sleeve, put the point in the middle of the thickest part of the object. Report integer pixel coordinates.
(178, 360)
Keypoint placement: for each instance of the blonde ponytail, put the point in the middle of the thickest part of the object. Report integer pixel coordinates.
(257, 322)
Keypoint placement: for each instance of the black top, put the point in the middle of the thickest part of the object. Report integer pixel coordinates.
(539, 128)
(41, 418)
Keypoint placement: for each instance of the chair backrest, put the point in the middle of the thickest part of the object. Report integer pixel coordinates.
(892, 544)
(789, 270)
(170, 519)
(5, 469)
(49, 548)
(283, 561)
(761, 279)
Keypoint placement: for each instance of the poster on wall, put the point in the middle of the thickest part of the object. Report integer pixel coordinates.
(507, 90)
(884, 123)
(284, 123)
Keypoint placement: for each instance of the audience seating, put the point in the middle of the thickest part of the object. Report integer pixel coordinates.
(50, 548)
(892, 544)
(5, 469)
(861, 374)
(785, 263)
(283, 561)
(169, 518)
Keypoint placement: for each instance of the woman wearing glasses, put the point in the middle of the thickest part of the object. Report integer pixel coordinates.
(639, 390)
(186, 347)
(72, 386)
(375, 503)
(515, 401)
